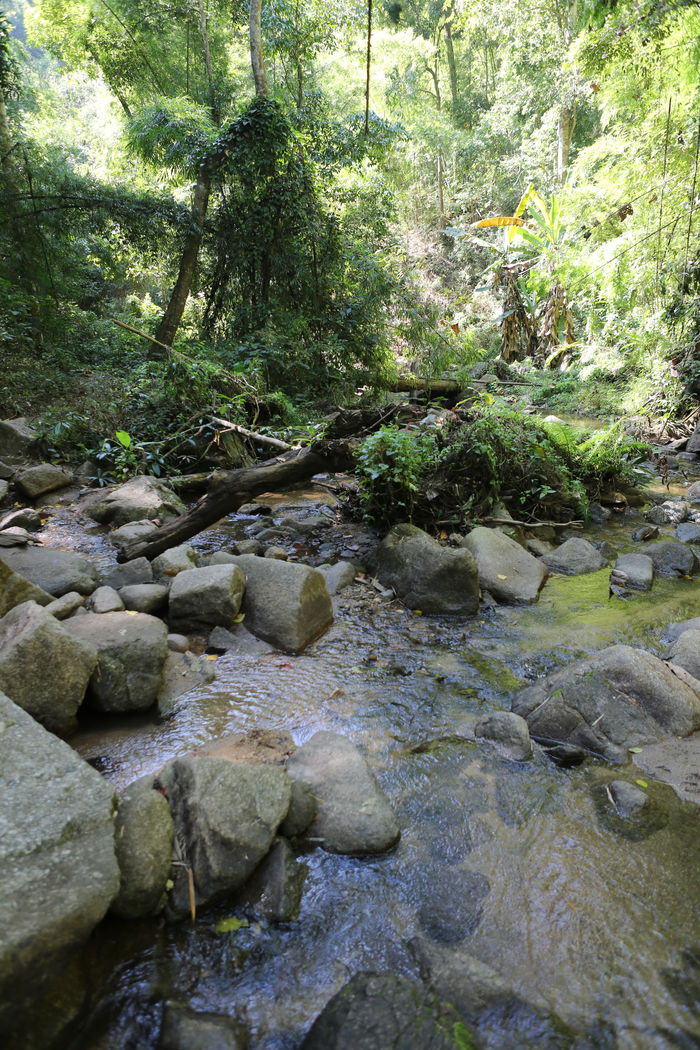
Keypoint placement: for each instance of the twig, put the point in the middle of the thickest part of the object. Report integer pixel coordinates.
(534, 524)
(261, 439)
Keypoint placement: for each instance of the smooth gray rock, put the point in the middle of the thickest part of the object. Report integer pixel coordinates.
(185, 1029)
(15, 537)
(384, 1012)
(174, 561)
(671, 512)
(59, 869)
(645, 532)
(275, 552)
(303, 808)
(506, 571)
(285, 604)
(693, 493)
(226, 815)
(672, 559)
(14, 590)
(575, 557)
(628, 799)
(427, 576)
(685, 652)
(145, 597)
(507, 733)
(23, 518)
(675, 630)
(131, 651)
(274, 890)
(610, 701)
(143, 839)
(354, 815)
(676, 763)
(182, 673)
(16, 437)
(239, 641)
(65, 606)
(43, 668)
(248, 547)
(178, 643)
(688, 532)
(138, 499)
(338, 576)
(105, 600)
(204, 598)
(638, 570)
(130, 574)
(6, 471)
(4, 489)
(38, 481)
(223, 558)
(55, 571)
(126, 534)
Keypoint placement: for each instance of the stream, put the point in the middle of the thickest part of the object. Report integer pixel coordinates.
(522, 865)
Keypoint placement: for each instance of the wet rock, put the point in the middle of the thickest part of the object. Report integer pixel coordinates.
(178, 643)
(672, 559)
(507, 732)
(259, 746)
(43, 668)
(24, 518)
(15, 537)
(676, 763)
(131, 651)
(507, 571)
(628, 799)
(286, 604)
(610, 701)
(38, 481)
(138, 499)
(274, 890)
(453, 906)
(55, 571)
(14, 590)
(130, 574)
(574, 558)
(354, 815)
(637, 570)
(59, 869)
(204, 598)
(65, 606)
(172, 562)
(276, 552)
(16, 437)
(143, 839)
(226, 816)
(145, 597)
(685, 652)
(306, 526)
(303, 808)
(126, 534)
(185, 1029)
(338, 576)
(182, 673)
(598, 514)
(248, 547)
(105, 600)
(645, 532)
(688, 532)
(427, 576)
(668, 513)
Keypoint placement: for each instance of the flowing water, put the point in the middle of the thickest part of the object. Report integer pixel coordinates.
(523, 865)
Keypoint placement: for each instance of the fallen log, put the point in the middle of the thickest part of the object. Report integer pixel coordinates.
(229, 489)
(409, 384)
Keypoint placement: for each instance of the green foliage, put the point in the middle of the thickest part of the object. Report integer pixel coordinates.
(391, 464)
(124, 457)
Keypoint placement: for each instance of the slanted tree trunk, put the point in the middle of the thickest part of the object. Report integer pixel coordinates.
(256, 53)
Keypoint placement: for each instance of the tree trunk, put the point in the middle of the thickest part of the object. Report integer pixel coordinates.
(256, 54)
(369, 64)
(5, 138)
(452, 67)
(565, 131)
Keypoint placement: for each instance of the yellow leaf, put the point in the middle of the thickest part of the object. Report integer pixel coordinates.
(239, 619)
(642, 783)
(502, 577)
(211, 656)
(497, 220)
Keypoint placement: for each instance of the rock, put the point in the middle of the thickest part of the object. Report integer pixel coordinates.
(174, 561)
(248, 547)
(24, 518)
(130, 574)
(383, 1012)
(126, 534)
(143, 839)
(667, 513)
(43, 668)
(257, 747)
(105, 600)
(131, 651)
(574, 558)
(4, 489)
(687, 457)
(302, 810)
(694, 440)
(16, 437)
(305, 526)
(598, 514)
(674, 630)
(685, 652)
(452, 909)
(14, 590)
(506, 571)
(239, 641)
(178, 643)
(204, 598)
(628, 799)
(637, 569)
(688, 532)
(354, 815)
(37, 481)
(286, 604)
(226, 815)
(693, 493)
(223, 558)
(610, 701)
(138, 499)
(427, 576)
(15, 537)
(538, 547)
(6, 471)
(338, 576)
(55, 571)
(645, 532)
(65, 606)
(273, 892)
(672, 559)
(184, 1029)
(59, 870)
(144, 597)
(182, 673)
(508, 733)
(276, 552)
(676, 763)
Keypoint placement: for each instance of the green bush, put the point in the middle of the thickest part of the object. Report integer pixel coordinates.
(391, 465)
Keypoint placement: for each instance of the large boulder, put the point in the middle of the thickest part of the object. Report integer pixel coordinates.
(285, 604)
(672, 559)
(635, 571)
(131, 652)
(59, 869)
(574, 558)
(685, 652)
(226, 816)
(383, 1012)
(16, 438)
(616, 699)
(39, 480)
(144, 597)
(137, 499)
(144, 844)
(427, 576)
(506, 571)
(14, 590)
(43, 668)
(182, 673)
(55, 571)
(688, 532)
(201, 599)
(353, 813)
(130, 574)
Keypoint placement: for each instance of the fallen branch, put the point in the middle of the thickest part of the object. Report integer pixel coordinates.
(260, 439)
(534, 524)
